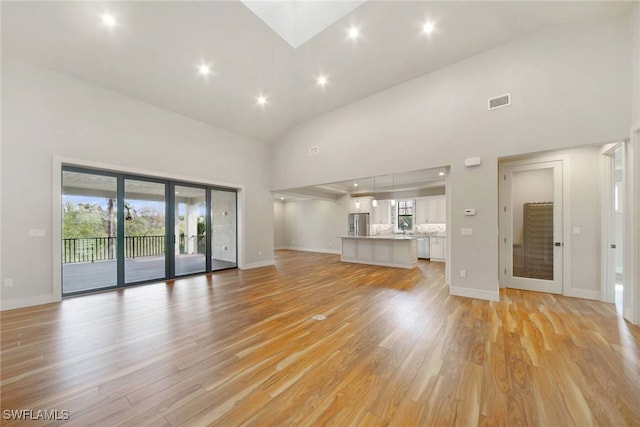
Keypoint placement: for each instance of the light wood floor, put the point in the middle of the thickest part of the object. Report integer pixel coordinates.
(241, 347)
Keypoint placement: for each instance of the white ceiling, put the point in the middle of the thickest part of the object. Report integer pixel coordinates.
(153, 52)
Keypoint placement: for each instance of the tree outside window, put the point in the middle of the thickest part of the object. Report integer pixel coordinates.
(405, 215)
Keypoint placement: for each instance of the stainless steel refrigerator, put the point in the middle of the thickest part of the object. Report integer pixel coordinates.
(359, 224)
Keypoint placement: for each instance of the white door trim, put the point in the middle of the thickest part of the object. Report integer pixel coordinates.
(607, 231)
(567, 289)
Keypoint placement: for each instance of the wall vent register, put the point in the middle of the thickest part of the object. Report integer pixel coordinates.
(499, 101)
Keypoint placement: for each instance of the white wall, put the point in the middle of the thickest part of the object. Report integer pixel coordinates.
(278, 225)
(585, 214)
(315, 225)
(635, 65)
(569, 87)
(632, 260)
(45, 114)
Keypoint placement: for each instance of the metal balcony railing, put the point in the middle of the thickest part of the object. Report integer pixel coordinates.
(90, 249)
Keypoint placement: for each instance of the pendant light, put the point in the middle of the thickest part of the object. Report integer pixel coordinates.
(393, 188)
(357, 200)
(374, 203)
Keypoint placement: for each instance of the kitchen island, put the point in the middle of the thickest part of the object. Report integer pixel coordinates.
(388, 251)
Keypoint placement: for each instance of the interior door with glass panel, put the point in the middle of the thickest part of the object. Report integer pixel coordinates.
(144, 230)
(531, 226)
(190, 228)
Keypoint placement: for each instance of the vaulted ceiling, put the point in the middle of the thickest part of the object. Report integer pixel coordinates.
(153, 51)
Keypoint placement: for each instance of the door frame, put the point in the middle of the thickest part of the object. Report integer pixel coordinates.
(508, 162)
(58, 162)
(607, 230)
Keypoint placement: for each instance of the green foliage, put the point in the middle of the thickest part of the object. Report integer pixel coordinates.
(84, 220)
(145, 222)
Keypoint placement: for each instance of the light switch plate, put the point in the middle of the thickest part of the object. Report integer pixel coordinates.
(466, 231)
(577, 231)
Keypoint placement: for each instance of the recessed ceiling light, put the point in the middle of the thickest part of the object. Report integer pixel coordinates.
(428, 27)
(441, 174)
(353, 33)
(108, 20)
(281, 198)
(204, 69)
(322, 80)
(261, 100)
(355, 185)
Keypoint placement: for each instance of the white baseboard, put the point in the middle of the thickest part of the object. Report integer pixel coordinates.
(475, 293)
(27, 302)
(583, 293)
(258, 264)
(322, 251)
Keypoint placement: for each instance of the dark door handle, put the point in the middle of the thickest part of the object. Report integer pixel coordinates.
(557, 244)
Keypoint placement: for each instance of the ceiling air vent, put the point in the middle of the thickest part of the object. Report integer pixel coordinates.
(313, 150)
(499, 101)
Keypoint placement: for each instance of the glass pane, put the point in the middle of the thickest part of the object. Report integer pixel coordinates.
(190, 229)
(532, 198)
(144, 230)
(88, 231)
(223, 230)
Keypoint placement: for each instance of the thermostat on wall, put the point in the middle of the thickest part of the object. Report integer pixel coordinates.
(472, 161)
(469, 212)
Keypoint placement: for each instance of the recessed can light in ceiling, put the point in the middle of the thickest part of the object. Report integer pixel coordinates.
(322, 80)
(204, 69)
(428, 27)
(353, 33)
(261, 100)
(108, 20)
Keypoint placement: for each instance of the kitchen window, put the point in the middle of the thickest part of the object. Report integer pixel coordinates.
(405, 215)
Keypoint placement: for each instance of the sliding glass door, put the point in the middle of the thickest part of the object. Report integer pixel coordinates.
(144, 230)
(190, 230)
(223, 230)
(89, 226)
(119, 229)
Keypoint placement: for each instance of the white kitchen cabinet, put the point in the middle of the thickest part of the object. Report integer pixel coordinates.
(422, 210)
(431, 210)
(438, 210)
(437, 248)
(388, 251)
(365, 205)
(381, 213)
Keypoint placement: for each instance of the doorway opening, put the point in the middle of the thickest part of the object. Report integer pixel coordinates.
(613, 224)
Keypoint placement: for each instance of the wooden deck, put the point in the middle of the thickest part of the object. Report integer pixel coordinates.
(242, 348)
(85, 276)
